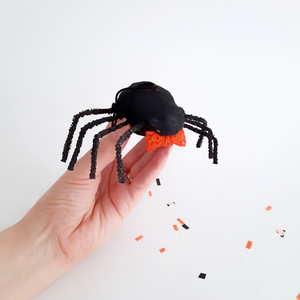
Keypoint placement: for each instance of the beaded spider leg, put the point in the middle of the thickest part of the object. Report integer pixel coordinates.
(96, 142)
(121, 140)
(82, 133)
(205, 131)
(68, 142)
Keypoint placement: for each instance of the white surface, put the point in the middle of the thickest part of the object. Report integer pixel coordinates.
(235, 63)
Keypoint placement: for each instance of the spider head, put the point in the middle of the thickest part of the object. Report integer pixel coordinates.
(163, 115)
(167, 121)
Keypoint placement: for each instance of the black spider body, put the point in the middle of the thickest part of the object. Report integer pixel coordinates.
(152, 105)
(146, 107)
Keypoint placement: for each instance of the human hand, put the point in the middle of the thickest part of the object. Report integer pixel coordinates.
(75, 216)
(80, 214)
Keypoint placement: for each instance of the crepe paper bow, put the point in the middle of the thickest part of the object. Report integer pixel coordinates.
(155, 141)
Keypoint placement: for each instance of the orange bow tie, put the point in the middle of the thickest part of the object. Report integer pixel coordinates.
(154, 140)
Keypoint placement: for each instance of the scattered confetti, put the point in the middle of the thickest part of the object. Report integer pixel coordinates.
(162, 250)
(202, 275)
(180, 221)
(171, 203)
(183, 224)
(138, 238)
(268, 208)
(249, 245)
(150, 193)
(175, 228)
(158, 181)
(298, 297)
(281, 232)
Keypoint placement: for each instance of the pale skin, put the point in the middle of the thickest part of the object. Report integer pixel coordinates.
(74, 217)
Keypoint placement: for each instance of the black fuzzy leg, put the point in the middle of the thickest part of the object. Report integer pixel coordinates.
(201, 122)
(200, 140)
(68, 142)
(202, 133)
(197, 119)
(212, 141)
(121, 140)
(82, 133)
(96, 143)
(210, 133)
(201, 136)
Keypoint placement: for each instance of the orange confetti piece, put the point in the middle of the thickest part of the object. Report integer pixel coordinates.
(175, 228)
(298, 297)
(180, 221)
(162, 250)
(268, 208)
(249, 245)
(155, 141)
(139, 238)
(150, 193)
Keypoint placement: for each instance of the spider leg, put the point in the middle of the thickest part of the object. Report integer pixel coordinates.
(212, 141)
(199, 121)
(200, 140)
(196, 119)
(81, 136)
(68, 142)
(121, 140)
(202, 134)
(96, 143)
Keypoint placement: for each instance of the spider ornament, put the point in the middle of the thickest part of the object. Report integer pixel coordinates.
(152, 112)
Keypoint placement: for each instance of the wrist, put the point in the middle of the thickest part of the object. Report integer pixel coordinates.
(29, 260)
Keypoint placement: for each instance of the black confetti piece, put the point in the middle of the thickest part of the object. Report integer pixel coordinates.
(202, 276)
(185, 226)
(281, 232)
(158, 181)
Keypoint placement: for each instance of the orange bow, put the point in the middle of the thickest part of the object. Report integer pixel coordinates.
(154, 140)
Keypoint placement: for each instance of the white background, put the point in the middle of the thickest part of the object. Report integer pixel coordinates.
(234, 63)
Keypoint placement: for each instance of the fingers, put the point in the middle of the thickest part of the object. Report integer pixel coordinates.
(144, 170)
(134, 154)
(140, 163)
(148, 168)
(137, 159)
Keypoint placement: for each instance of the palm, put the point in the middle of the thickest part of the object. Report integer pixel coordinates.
(84, 213)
